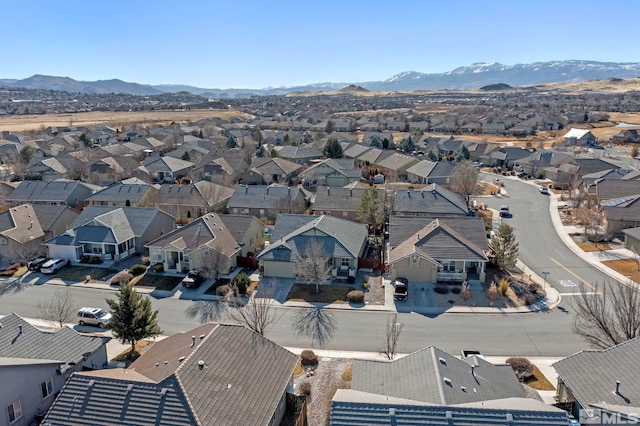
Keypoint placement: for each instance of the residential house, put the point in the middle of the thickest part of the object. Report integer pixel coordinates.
(332, 172)
(197, 377)
(266, 201)
(350, 407)
(56, 193)
(431, 201)
(632, 239)
(21, 235)
(582, 137)
(35, 365)
(187, 202)
(621, 213)
(247, 231)
(378, 139)
(222, 166)
(125, 195)
(437, 250)
(627, 135)
(603, 381)
(342, 202)
(342, 242)
(301, 154)
(110, 232)
(497, 128)
(265, 171)
(47, 169)
(508, 157)
(205, 244)
(396, 163)
(544, 162)
(426, 172)
(54, 220)
(107, 170)
(165, 169)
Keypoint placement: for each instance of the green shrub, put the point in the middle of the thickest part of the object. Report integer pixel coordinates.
(355, 296)
(441, 289)
(84, 259)
(137, 269)
(351, 280)
(158, 268)
(95, 260)
(241, 282)
(308, 357)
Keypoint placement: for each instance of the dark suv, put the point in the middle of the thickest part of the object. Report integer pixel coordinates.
(37, 263)
(193, 279)
(400, 288)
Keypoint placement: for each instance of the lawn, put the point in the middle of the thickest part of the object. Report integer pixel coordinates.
(539, 381)
(79, 273)
(328, 293)
(589, 246)
(159, 282)
(627, 267)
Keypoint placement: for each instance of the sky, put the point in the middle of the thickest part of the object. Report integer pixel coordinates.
(259, 43)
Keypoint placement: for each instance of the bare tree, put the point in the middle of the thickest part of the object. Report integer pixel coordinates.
(257, 314)
(465, 180)
(61, 309)
(591, 217)
(312, 264)
(393, 330)
(211, 262)
(607, 315)
(317, 324)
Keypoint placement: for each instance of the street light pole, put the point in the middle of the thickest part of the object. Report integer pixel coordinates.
(545, 273)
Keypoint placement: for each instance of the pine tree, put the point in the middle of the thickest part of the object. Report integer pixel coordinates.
(505, 247)
(132, 316)
(332, 149)
(370, 209)
(261, 151)
(407, 144)
(634, 151)
(432, 156)
(231, 142)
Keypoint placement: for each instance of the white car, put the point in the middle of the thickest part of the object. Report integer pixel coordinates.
(52, 266)
(94, 316)
(544, 190)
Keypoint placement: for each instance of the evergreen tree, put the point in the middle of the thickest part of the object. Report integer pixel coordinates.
(407, 144)
(132, 316)
(240, 283)
(261, 151)
(432, 156)
(26, 154)
(376, 142)
(200, 134)
(257, 136)
(465, 152)
(332, 149)
(505, 247)
(286, 139)
(274, 153)
(186, 156)
(634, 151)
(385, 143)
(231, 142)
(370, 208)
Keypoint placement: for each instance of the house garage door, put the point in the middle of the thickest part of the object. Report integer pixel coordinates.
(278, 269)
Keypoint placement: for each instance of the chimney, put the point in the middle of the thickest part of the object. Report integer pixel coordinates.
(20, 327)
(350, 192)
(328, 190)
(618, 387)
(193, 341)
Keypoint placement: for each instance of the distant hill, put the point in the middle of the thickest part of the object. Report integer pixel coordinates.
(352, 88)
(492, 87)
(474, 76)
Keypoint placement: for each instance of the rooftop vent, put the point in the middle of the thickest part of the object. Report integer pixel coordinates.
(463, 389)
(181, 359)
(447, 381)
(130, 388)
(618, 386)
(166, 362)
(91, 383)
(392, 412)
(163, 392)
(442, 360)
(201, 336)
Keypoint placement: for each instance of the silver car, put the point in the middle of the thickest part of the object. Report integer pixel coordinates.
(94, 316)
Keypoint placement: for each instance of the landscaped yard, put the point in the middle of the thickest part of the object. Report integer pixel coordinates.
(589, 246)
(627, 267)
(539, 381)
(328, 293)
(79, 273)
(159, 282)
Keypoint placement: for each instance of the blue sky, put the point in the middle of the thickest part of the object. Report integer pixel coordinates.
(260, 43)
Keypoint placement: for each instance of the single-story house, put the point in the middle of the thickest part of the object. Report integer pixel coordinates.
(121, 194)
(35, 366)
(21, 235)
(111, 233)
(342, 241)
(580, 137)
(266, 201)
(194, 378)
(205, 244)
(332, 172)
(342, 202)
(57, 192)
(438, 250)
(431, 201)
(265, 171)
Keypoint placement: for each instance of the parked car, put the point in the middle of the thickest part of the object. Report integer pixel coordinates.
(193, 279)
(36, 264)
(544, 190)
(504, 211)
(477, 164)
(497, 181)
(94, 316)
(52, 266)
(400, 289)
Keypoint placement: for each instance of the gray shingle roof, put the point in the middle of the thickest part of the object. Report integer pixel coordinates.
(134, 220)
(260, 196)
(341, 199)
(340, 238)
(65, 345)
(50, 191)
(434, 376)
(351, 407)
(470, 227)
(121, 192)
(238, 225)
(166, 164)
(591, 375)
(432, 200)
(20, 224)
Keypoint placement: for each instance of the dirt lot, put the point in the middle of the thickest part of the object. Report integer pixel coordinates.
(19, 123)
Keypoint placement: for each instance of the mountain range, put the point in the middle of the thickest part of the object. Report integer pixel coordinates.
(468, 77)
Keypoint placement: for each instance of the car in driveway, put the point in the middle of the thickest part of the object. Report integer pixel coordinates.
(193, 279)
(94, 316)
(544, 190)
(400, 288)
(52, 266)
(36, 264)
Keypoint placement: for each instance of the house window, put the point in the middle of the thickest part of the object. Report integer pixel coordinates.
(449, 266)
(14, 410)
(46, 387)
(261, 212)
(345, 214)
(344, 262)
(414, 259)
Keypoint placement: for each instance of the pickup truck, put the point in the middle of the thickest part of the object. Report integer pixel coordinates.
(400, 289)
